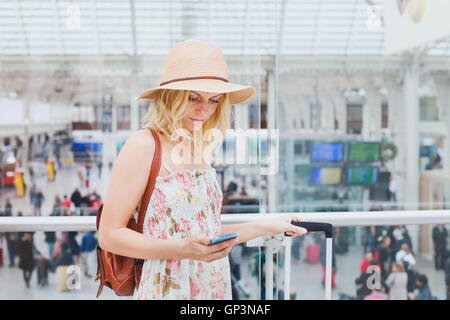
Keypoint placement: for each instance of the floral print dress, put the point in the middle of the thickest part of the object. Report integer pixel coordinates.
(183, 203)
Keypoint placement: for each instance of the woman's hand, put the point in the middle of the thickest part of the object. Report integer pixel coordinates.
(283, 224)
(197, 247)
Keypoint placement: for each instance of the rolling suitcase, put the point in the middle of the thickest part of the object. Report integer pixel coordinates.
(312, 253)
(328, 229)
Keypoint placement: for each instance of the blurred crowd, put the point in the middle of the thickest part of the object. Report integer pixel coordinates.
(389, 267)
(63, 248)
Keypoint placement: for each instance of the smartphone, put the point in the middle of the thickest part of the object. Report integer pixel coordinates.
(223, 237)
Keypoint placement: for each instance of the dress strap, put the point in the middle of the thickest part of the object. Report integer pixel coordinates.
(166, 166)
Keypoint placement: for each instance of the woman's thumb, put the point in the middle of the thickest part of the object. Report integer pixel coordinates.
(201, 239)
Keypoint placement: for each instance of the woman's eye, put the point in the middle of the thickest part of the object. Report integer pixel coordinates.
(192, 99)
(215, 101)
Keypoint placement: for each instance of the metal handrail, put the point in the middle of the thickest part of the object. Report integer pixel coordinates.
(358, 218)
(88, 223)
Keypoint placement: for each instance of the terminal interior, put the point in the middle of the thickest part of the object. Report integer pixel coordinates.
(344, 120)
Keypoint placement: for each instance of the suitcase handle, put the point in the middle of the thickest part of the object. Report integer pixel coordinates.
(315, 227)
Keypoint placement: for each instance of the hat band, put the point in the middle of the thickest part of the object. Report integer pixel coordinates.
(193, 78)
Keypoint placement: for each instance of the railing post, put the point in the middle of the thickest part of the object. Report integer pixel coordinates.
(328, 268)
(269, 273)
(287, 268)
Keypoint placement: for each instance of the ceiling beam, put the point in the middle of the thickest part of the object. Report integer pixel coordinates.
(244, 27)
(281, 27)
(133, 28)
(22, 27)
(58, 23)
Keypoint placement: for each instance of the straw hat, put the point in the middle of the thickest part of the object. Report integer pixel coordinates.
(199, 66)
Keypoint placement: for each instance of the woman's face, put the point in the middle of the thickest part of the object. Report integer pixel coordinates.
(201, 107)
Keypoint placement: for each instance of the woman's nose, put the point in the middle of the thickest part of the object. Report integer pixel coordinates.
(202, 108)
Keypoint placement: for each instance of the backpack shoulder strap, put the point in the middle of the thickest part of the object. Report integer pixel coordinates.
(156, 165)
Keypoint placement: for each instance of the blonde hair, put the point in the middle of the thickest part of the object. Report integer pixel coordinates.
(399, 266)
(167, 110)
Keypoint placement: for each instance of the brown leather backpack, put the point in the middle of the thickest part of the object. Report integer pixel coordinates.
(123, 274)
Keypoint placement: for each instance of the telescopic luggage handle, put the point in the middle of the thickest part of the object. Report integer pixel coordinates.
(315, 227)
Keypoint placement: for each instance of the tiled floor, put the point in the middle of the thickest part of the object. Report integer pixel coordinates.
(305, 278)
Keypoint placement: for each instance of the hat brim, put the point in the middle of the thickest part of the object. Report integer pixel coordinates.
(237, 93)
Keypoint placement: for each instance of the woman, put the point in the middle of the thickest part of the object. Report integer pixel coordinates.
(184, 211)
(384, 254)
(397, 282)
(25, 251)
(56, 209)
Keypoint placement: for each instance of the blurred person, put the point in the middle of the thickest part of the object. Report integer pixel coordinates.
(32, 192)
(282, 290)
(88, 167)
(99, 167)
(370, 239)
(76, 200)
(31, 173)
(398, 237)
(85, 204)
(236, 260)
(63, 258)
(1, 249)
(73, 244)
(364, 281)
(237, 283)
(341, 193)
(37, 201)
(94, 204)
(438, 161)
(384, 256)
(392, 189)
(81, 176)
(377, 294)
(368, 257)
(26, 252)
(401, 235)
(43, 266)
(257, 267)
(12, 241)
(65, 206)
(87, 250)
(422, 290)
(447, 275)
(406, 256)
(95, 194)
(8, 208)
(440, 236)
(397, 282)
(11, 238)
(50, 239)
(243, 191)
(230, 191)
(431, 162)
(56, 209)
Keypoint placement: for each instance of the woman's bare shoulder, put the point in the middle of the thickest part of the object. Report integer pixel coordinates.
(139, 146)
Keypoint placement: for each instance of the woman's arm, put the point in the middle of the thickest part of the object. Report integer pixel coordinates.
(251, 230)
(127, 185)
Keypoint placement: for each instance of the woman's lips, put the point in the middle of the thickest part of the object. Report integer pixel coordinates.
(196, 120)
